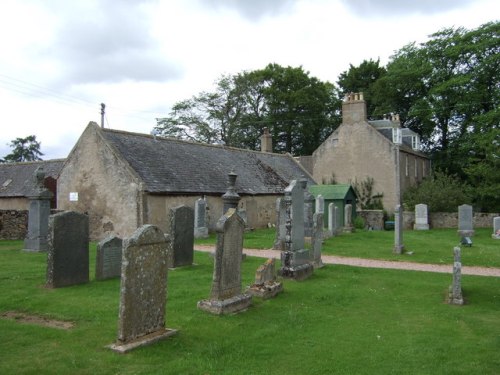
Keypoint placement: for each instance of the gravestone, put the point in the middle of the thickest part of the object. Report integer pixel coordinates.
(455, 296)
(465, 215)
(496, 228)
(226, 295)
(108, 263)
(320, 204)
(266, 286)
(309, 202)
(68, 249)
(317, 241)
(398, 230)
(143, 290)
(279, 242)
(421, 217)
(182, 236)
(295, 262)
(200, 223)
(38, 215)
(332, 219)
(348, 228)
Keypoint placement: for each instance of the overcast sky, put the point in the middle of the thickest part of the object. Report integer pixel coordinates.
(60, 59)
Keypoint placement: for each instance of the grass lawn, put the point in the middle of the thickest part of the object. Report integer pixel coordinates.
(433, 246)
(343, 320)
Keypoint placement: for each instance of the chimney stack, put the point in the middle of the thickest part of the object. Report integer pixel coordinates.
(266, 141)
(353, 108)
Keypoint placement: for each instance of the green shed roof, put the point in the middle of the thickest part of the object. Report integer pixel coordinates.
(338, 191)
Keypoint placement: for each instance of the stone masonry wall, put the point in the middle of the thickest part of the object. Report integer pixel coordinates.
(13, 224)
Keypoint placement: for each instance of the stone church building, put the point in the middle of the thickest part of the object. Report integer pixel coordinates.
(359, 149)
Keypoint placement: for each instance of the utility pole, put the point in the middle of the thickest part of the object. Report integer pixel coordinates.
(103, 106)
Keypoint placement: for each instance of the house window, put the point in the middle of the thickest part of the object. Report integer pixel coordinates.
(397, 136)
(415, 142)
(406, 166)
(335, 142)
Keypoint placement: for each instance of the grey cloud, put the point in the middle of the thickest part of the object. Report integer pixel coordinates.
(252, 9)
(110, 43)
(397, 7)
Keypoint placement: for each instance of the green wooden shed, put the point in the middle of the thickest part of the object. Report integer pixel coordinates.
(339, 195)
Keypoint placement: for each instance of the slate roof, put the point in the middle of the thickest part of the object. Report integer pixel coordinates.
(169, 166)
(332, 192)
(16, 179)
(385, 127)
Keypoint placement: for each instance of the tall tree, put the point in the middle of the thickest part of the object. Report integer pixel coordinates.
(24, 149)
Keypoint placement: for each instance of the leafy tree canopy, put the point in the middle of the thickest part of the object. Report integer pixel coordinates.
(24, 149)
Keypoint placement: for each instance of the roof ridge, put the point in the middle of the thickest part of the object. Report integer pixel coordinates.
(34, 162)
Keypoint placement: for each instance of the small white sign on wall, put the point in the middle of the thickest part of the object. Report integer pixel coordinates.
(73, 196)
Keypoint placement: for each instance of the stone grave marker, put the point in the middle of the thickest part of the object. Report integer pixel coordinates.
(398, 230)
(68, 249)
(348, 228)
(421, 217)
(108, 263)
(320, 204)
(496, 228)
(182, 236)
(38, 215)
(226, 295)
(200, 222)
(317, 240)
(455, 296)
(332, 219)
(266, 285)
(309, 202)
(279, 242)
(295, 258)
(143, 290)
(465, 215)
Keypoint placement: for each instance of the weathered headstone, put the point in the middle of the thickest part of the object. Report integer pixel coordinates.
(455, 296)
(182, 236)
(295, 258)
(348, 228)
(421, 217)
(226, 295)
(398, 230)
(317, 240)
(108, 262)
(320, 204)
(279, 242)
(332, 219)
(38, 216)
(309, 202)
(200, 223)
(68, 249)
(496, 228)
(143, 290)
(465, 215)
(266, 286)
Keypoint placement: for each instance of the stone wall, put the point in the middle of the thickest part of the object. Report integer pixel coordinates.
(450, 219)
(13, 224)
(374, 219)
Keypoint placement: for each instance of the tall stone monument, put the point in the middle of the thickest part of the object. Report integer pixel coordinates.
(200, 219)
(309, 202)
(68, 253)
(182, 236)
(317, 240)
(279, 241)
(295, 261)
(38, 216)
(143, 290)
(320, 204)
(421, 217)
(226, 295)
(332, 219)
(398, 230)
(348, 227)
(455, 296)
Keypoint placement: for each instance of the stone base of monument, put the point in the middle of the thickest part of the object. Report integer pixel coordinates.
(465, 233)
(454, 298)
(398, 249)
(302, 272)
(317, 264)
(201, 232)
(348, 229)
(35, 245)
(267, 290)
(124, 347)
(231, 305)
(420, 226)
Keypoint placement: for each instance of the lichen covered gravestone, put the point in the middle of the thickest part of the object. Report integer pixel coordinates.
(317, 240)
(398, 230)
(143, 290)
(68, 249)
(226, 296)
(455, 296)
(182, 236)
(108, 263)
(266, 285)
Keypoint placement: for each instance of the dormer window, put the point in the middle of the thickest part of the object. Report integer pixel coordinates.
(415, 142)
(397, 136)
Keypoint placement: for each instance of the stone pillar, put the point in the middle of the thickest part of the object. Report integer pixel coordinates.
(332, 219)
(309, 201)
(38, 217)
(317, 240)
(320, 204)
(455, 296)
(279, 242)
(231, 198)
(398, 230)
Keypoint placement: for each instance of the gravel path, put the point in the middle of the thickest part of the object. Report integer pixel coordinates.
(373, 263)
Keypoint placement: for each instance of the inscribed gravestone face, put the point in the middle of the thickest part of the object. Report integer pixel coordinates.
(68, 253)
(226, 296)
(182, 234)
(496, 228)
(465, 215)
(143, 289)
(109, 258)
(398, 230)
(317, 241)
(279, 242)
(421, 217)
(295, 258)
(200, 224)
